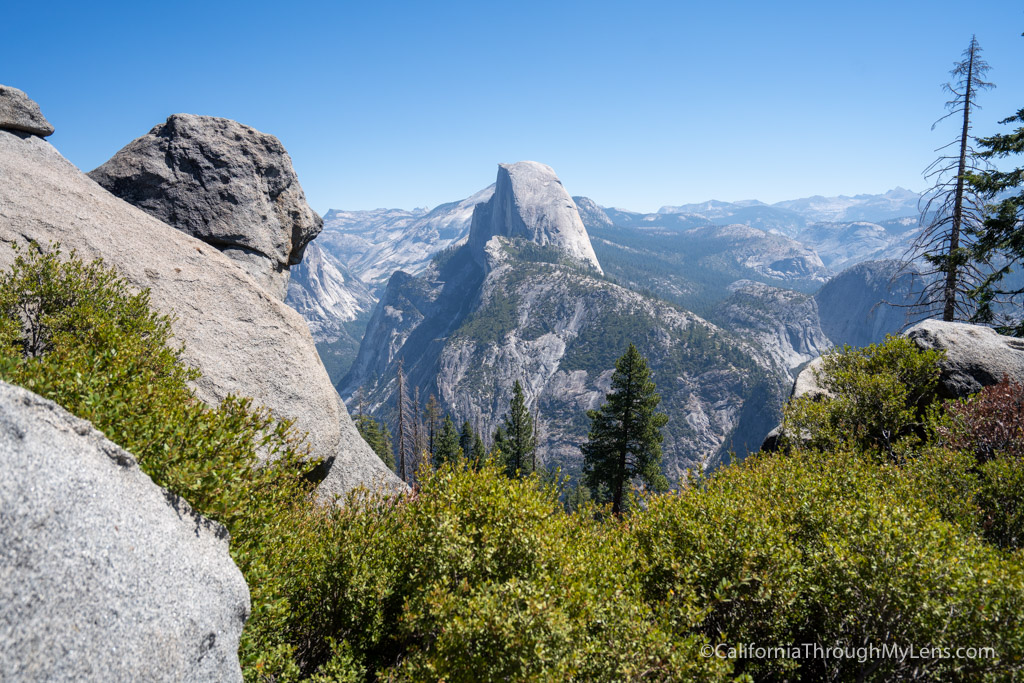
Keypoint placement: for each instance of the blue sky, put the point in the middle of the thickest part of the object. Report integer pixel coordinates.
(637, 105)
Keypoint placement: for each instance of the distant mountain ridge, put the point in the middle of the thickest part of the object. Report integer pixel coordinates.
(374, 244)
(896, 203)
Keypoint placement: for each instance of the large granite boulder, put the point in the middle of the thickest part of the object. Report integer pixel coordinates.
(245, 341)
(21, 114)
(227, 184)
(530, 202)
(976, 356)
(806, 384)
(105, 576)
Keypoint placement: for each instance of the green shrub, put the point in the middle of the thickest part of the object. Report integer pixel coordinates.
(833, 550)
(76, 334)
(479, 577)
(879, 403)
(989, 427)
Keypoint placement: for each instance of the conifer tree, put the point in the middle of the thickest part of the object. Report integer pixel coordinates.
(1001, 239)
(403, 430)
(433, 411)
(625, 433)
(417, 427)
(499, 445)
(520, 442)
(479, 452)
(953, 212)
(378, 437)
(447, 444)
(578, 497)
(466, 439)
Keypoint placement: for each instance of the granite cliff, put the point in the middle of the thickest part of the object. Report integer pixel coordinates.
(524, 300)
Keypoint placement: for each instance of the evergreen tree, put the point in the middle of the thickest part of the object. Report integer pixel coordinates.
(403, 429)
(447, 443)
(419, 445)
(953, 212)
(378, 437)
(433, 410)
(499, 445)
(466, 437)
(578, 497)
(520, 441)
(1001, 238)
(625, 434)
(479, 452)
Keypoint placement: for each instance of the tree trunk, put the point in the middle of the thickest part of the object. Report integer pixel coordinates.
(401, 427)
(627, 419)
(949, 310)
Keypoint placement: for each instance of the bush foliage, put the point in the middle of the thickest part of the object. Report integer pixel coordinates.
(878, 404)
(75, 333)
(893, 521)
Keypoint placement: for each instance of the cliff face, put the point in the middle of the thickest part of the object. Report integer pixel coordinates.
(505, 308)
(783, 323)
(375, 244)
(529, 202)
(866, 302)
(335, 303)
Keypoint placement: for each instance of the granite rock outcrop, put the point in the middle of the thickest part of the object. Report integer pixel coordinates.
(105, 575)
(227, 184)
(245, 341)
(21, 114)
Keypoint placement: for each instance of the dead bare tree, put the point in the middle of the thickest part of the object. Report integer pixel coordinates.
(951, 211)
(402, 428)
(417, 432)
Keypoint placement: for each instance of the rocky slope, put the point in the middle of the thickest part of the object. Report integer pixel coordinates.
(375, 244)
(505, 308)
(842, 245)
(866, 302)
(244, 341)
(372, 245)
(694, 263)
(106, 576)
(335, 303)
(785, 324)
(225, 183)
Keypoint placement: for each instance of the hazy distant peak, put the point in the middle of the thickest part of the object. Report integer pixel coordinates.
(896, 203)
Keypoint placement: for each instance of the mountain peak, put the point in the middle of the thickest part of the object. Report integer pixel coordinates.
(529, 201)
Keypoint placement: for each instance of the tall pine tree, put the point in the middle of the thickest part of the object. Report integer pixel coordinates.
(1001, 239)
(403, 429)
(433, 410)
(625, 434)
(953, 211)
(518, 443)
(378, 436)
(447, 443)
(479, 452)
